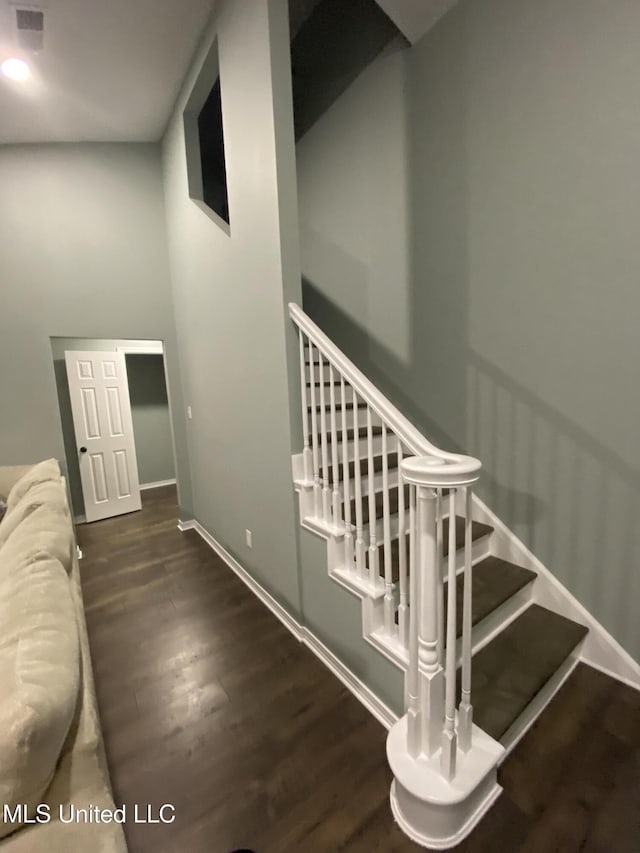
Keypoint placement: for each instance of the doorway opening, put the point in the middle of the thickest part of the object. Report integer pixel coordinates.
(107, 388)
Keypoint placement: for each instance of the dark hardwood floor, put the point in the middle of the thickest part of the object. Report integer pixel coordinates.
(209, 704)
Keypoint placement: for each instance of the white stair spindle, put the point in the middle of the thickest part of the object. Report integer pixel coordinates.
(346, 481)
(386, 528)
(403, 616)
(465, 711)
(335, 470)
(326, 493)
(306, 453)
(374, 565)
(413, 676)
(360, 546)
(315, 454)
(441, 564)
(449, 735)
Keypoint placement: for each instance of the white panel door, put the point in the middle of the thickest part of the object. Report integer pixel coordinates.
(104, 433)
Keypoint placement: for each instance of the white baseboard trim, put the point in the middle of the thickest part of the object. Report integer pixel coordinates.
(79, 519)
(363, 694)
(157, 484)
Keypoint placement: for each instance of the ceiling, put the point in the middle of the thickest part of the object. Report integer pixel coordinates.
(110, 70)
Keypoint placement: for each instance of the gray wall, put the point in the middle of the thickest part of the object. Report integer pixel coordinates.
(82, 254)
(519, 309)
(149, 413)
(230, 289)
(237, 348)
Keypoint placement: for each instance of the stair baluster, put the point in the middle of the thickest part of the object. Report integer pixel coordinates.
(449, 735)
(360, 546)
(403, 616)
(465, 711)
(374, 565)
(389, 623)
(346, 478)
(335, 471)
(317, 504)
(326, 494)
(414, 741)
(441, 563)
(306, 453)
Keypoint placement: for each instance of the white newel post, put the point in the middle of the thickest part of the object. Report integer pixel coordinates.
(444, 767)
(430, 671)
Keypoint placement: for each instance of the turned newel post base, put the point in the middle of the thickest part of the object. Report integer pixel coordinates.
(445, 769)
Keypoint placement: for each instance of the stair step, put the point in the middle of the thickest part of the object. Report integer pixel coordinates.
(348, 407)
(392, 465)
(478, 530)
(508, 673)
(379, 500)
(494, 582)
(351, 434)
(326, 384)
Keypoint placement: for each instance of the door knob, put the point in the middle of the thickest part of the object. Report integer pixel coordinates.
(83, 450)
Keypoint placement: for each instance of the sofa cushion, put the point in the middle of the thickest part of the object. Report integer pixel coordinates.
(45, 531)
(50, 493)
(39, 672)
(40, 473)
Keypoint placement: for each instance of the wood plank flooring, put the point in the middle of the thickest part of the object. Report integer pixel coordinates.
(208, 703)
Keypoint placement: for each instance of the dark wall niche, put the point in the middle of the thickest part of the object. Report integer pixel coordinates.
(214, 173)
(333, 41)
(204, 139)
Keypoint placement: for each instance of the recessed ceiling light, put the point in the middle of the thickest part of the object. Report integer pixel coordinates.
(16, 69)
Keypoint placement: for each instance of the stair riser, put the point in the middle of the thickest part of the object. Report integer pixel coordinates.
(534, 709)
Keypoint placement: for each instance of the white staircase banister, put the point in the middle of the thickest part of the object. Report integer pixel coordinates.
(412, 439)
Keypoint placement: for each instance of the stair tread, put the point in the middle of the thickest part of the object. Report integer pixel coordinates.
(494, 582)
(478, 530)
(392, 465)
(379, 501)
(512, 669)
(362, 433)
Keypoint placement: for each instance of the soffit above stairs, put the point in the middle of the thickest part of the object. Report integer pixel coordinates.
(415, 17)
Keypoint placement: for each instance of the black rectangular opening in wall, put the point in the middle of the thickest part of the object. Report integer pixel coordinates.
(211, 137)
(204, 143)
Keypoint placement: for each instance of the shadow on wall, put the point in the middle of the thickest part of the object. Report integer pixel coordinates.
(342, 288)
(568, 496)
(571, 499)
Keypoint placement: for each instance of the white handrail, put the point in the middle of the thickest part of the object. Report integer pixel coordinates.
(413, 440)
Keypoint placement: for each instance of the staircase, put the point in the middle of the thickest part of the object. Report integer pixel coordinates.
(449, 603)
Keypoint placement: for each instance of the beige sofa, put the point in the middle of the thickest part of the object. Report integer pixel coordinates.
(51, 753)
